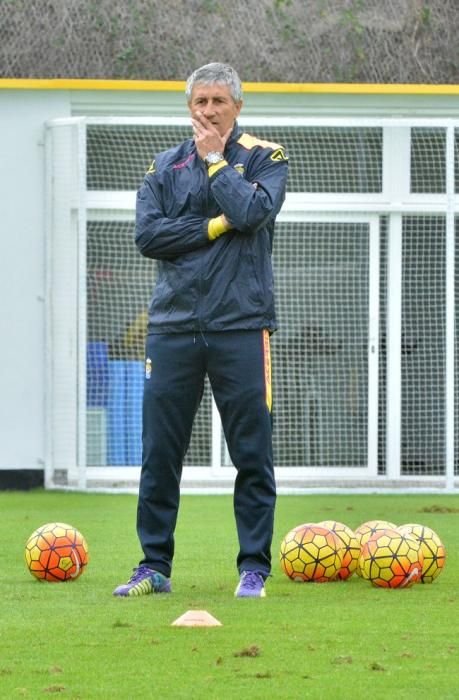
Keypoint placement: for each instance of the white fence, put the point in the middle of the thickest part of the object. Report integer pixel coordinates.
(364, 362)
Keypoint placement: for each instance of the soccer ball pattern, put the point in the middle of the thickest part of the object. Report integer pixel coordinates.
(367, 530)
(56, 552)
(432, 548)
(311, 552)
(350, 545)
(391, 559)
(370, 528)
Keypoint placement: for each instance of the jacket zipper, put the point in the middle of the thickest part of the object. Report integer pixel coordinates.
(200, 284)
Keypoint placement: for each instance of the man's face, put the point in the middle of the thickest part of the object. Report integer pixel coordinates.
(216, 103)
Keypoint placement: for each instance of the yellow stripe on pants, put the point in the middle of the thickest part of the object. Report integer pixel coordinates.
(267, 367)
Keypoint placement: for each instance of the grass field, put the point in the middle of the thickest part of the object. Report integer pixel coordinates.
(337, 640)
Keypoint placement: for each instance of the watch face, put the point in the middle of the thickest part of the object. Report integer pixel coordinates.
(213, 157)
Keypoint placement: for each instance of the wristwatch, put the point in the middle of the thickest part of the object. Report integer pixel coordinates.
(213, 157)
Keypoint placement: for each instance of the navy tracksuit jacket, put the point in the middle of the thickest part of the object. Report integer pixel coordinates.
(212, 312)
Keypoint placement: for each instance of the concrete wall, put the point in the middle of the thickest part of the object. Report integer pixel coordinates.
(22, 244)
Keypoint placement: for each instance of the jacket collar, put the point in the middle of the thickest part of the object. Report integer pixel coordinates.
(235, 134)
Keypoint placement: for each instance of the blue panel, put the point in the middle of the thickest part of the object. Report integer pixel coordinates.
(134, 395)
(97, 380)
(116, 423)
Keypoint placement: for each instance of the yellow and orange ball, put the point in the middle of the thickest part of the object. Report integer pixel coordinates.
(350, 545)
(311, 552)
(432, 548)
(56, 552)
(391, 559)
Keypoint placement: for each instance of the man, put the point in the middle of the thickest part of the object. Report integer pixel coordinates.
(206, 213)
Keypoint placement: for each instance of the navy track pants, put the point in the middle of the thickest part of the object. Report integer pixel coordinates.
(238, 366)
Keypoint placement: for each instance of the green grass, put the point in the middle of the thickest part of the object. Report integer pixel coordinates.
(339, 640)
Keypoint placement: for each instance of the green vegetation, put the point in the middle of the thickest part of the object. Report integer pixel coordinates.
(338, 640)
(324, 41)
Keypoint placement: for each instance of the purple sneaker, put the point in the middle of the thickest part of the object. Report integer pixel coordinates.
(144, 581)
(251, 585)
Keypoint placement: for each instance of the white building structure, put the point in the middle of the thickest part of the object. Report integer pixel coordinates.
(365, 258)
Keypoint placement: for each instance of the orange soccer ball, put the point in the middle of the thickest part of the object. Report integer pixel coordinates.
(351, 547)
(311, 552)
(391, 559)
(56, 552)
(432, 548)
(367, 530)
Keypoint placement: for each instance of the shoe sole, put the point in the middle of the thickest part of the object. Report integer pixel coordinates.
(261, 594)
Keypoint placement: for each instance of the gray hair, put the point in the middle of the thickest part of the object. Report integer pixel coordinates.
(215, 73)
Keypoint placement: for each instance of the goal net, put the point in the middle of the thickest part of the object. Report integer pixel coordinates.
(364, 261)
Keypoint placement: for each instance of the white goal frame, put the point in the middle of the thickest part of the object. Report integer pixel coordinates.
(70, 205)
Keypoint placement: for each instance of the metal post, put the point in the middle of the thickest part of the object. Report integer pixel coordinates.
(450, 303)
